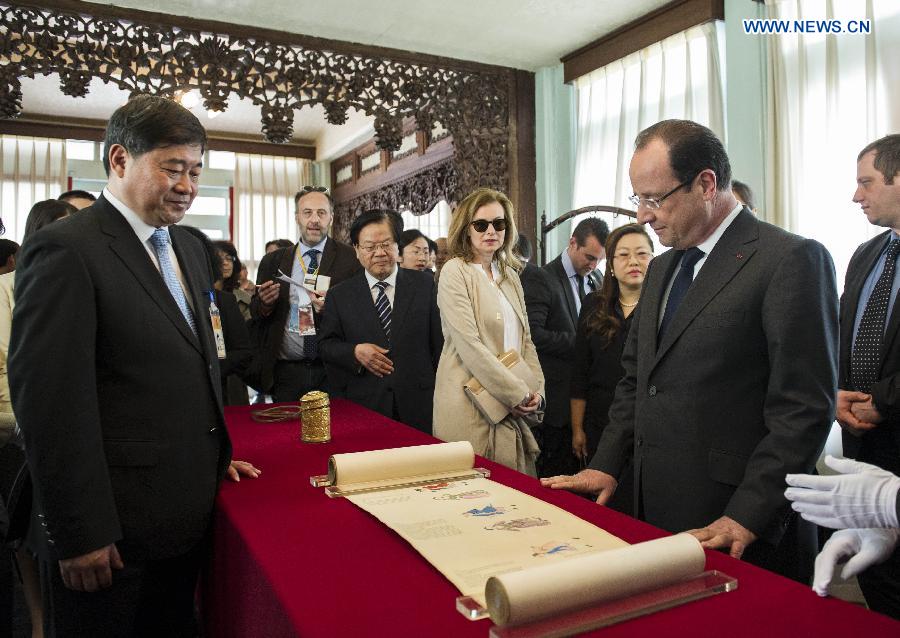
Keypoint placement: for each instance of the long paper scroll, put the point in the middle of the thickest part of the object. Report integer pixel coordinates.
(469, 529)
(521, 557)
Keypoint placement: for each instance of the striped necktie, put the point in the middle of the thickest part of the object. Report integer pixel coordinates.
(160, 241)
(866, 353)
(383, 308)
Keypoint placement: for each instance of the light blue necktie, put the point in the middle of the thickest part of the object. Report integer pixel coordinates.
(160, 241)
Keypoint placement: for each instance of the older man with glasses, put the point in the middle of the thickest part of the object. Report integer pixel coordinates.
(381, 338)
(288, 364)
(730, 364)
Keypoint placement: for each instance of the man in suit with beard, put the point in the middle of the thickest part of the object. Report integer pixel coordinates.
(114, 378)
(288, 364)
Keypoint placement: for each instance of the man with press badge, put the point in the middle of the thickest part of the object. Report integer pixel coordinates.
(292, 284)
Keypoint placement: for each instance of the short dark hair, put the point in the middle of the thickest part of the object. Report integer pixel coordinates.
(279, 243)
(432, 245)
(524, 247)
(744, 192)
(44, 213)
(228, 248)
(77, 194)
(212, 253)
(8, 248)
(306, 190)
(409, 236)
(148, 122)
(375, 217)
(692, 148)
(887, 156)
(591, 226)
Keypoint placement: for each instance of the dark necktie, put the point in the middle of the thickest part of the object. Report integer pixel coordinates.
(579, 283)
(383, 308)
(683, 280)
(866, 353)
(311, 342)
(160, 241)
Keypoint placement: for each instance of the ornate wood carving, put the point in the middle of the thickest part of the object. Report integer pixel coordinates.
(150, 57)
(419, 192)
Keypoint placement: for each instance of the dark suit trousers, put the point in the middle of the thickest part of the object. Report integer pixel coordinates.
(146, 598)
(293, 379)
(556, 451)
(794, 557)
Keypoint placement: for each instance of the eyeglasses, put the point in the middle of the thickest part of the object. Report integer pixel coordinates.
(654, 203)
(418, 252)
(480, 225)
(313, 189)
(372, 248)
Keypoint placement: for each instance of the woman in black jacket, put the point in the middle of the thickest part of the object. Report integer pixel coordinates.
(602, 330)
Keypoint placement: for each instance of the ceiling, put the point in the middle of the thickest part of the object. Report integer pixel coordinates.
(525, 34)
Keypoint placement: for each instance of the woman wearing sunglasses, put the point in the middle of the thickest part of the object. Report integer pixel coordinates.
(483, 316)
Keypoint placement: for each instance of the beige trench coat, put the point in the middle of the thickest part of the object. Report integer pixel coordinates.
(473, 337)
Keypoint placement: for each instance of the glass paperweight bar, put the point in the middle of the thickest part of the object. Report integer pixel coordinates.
(607, 613)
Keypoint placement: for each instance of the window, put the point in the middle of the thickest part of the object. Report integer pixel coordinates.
(434, 224)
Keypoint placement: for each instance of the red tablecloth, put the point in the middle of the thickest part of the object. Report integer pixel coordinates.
(289, 561)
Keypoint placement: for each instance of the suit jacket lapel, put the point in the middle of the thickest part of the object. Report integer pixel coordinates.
(652, 295)
(329, 254)
(508, 290)
(560, 272)
(125, 244)
(730, 254)
(404, 294)
(367, 315)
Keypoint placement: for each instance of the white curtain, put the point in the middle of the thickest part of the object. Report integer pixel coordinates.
(32, 169)
(680, 77)
(829, 96)
(433, 224)
(264, 189)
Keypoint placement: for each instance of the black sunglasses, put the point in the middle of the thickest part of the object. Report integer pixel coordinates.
(480, 225)
(313, 189)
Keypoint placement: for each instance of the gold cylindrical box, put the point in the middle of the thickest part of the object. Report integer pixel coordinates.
(315, 417)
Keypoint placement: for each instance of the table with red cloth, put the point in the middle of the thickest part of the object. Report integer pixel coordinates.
(289, 561)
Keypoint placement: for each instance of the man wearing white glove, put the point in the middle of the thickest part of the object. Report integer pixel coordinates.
(862, 501)
(868, 399)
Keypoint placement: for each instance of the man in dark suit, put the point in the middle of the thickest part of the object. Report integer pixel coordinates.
(113, 373)
(730, 364)
(288, 364)
(553, 300)
(381, 333)
(868, 402)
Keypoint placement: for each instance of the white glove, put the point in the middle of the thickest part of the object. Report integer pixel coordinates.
(864, 548)
(862, 495)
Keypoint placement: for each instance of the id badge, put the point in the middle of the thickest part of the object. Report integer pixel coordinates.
(309, 281)
(215, 319)
(306, 325)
